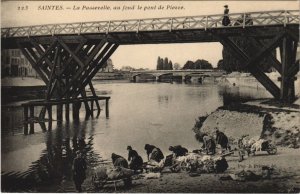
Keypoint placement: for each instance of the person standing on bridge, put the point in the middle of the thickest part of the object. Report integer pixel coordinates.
(226, 20)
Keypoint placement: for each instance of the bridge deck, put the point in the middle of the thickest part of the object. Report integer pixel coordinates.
(242, 20)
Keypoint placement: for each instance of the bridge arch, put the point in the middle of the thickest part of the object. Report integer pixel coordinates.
(199, 77)
(146, 75)
(164, 77)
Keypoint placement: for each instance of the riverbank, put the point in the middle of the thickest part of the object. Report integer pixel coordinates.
(255, 118)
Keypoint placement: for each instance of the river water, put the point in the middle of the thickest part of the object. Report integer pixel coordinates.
(161, 114)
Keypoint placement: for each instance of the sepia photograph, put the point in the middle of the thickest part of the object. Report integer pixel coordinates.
(150, 96)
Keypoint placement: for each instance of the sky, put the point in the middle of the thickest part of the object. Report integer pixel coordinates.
(137, 56)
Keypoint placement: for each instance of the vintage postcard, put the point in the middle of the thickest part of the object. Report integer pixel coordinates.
(150, 96)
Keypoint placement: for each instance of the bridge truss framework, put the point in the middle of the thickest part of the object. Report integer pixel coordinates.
(67, 56)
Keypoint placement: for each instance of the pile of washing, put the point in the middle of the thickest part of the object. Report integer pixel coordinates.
(104, 173)
(192, 162)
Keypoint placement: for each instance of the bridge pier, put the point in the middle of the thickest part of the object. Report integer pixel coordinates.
(288, 43)
(288, 51)
(67, 68)
(157, 78)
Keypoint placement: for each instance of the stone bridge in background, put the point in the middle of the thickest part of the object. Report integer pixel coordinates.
(179, 75)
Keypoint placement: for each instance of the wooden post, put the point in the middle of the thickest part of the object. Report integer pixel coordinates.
(98, 108)
(67, 111)
(94, 94)
(86, 104)
(50, 125)
(59, 113)
(92, 108)
(31, 109)
(287, 93)
(67, 104)
(25, 120)
(76, 108)
(49, 107)
(106, 108)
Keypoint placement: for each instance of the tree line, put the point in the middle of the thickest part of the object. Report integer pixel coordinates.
(166, 64)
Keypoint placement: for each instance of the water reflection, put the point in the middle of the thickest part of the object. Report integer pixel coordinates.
(55, 162)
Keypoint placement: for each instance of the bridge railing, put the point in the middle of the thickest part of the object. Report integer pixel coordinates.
(282, 17)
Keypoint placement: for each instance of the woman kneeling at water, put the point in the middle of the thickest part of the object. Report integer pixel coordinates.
(136, 161)
(154, 153)
(178, 150)
(119, 161)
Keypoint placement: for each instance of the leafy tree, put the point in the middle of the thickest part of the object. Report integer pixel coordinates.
(188, 65)
(166, 64)
(220, 64)
(159, 65)
(170, 65)
(127, 68)
(176, 66)
(199, 64)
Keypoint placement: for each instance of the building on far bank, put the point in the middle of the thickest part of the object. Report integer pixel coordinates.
(14, 63)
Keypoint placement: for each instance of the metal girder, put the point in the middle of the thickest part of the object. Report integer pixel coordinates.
(294, 36)
(99, 65)
(51, 63)
(47, 51)
(51, 86)
(67, 63)
(79, 72)
(265, 50)
(33, 63)
(275, 63)
(87, 107)
(158, 37)
(73, 55)
(94, 94)
(40, 52)
(256, 72)
(76, 90)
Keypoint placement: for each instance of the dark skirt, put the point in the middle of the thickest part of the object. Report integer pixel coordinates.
(136, 163)
(121, 162)
(156, 155)
(210, 146)
(225, 21)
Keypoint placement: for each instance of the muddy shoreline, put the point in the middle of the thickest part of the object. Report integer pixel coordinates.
(253, 117)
